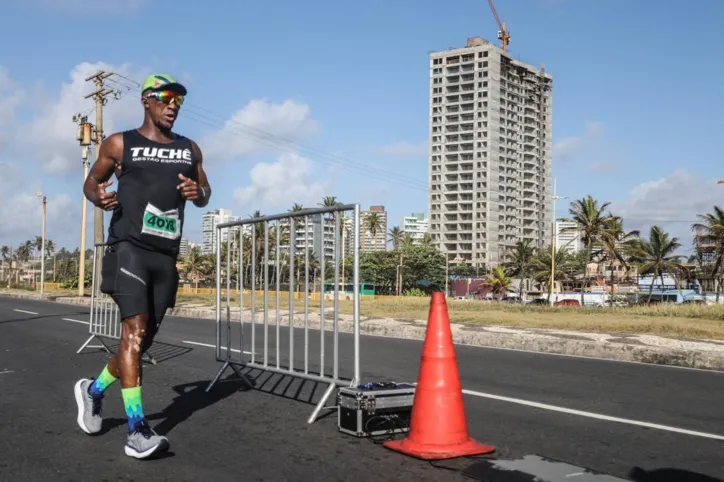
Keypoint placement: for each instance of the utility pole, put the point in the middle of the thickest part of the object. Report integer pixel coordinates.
(100, 97)
(44, 200)
(86, 136)
(554, 236)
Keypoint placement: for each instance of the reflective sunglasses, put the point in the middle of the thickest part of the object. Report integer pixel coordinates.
(167, 97)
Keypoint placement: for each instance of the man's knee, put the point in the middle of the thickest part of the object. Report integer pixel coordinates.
(135, 331)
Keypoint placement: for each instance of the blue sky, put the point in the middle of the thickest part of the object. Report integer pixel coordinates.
(637, 98)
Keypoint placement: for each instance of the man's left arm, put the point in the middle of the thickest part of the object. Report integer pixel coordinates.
(198, 189)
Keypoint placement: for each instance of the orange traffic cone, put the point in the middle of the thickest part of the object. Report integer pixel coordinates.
(438, 426)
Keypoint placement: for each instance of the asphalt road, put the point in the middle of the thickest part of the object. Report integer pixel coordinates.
(605, 415)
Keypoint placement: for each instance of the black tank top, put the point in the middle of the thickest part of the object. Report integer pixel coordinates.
(150, 212)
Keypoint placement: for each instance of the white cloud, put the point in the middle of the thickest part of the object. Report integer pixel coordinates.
(281, 184)
(569, 148)
(11, 97)
(404, 150)
(604, 167)
(52, 133)
(672, 202)
(48, 148)
(248, 131)
(21, 211)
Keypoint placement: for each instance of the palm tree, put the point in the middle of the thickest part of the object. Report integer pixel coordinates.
(6, 253)
(396, 235)
(196, 265)
(373, 225)
(616, 246)
(655, 255)
(592, 221)
(710, 232)
(330, 202)
(498, 282)
(540, 269)
(520, 261)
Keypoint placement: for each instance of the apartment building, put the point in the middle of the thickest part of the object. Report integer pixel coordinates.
(317, 234)
(568, 236)
(209, 221)
(416, 225)
(490, 153)
(368, 242)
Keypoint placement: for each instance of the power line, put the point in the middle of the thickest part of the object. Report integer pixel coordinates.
(217, 121)
(212, 119)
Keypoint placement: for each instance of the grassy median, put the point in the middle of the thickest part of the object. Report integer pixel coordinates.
(678, 321)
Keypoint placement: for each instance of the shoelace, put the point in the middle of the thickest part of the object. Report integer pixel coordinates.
(144, 429)
(97, 405)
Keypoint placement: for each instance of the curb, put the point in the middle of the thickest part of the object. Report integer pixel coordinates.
(462, 335)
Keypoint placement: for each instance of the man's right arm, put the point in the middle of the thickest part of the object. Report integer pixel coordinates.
(109, 156)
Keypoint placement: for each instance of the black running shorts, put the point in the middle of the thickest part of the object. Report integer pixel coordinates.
(139, 281)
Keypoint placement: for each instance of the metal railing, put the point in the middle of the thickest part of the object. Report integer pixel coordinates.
(250, 268)
(105, 318)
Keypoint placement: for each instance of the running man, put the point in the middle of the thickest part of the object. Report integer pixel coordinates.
(157, 172)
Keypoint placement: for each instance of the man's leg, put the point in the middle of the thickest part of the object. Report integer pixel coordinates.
(126, 279)
(89, 392)
(128, 359)
(136, 338)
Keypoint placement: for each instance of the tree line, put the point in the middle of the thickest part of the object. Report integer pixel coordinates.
(21, 264)
(411, 265)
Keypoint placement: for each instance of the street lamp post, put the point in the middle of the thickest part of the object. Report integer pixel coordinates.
(554, 239)
(44, 200)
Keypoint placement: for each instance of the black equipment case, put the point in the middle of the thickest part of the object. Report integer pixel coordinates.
(375, 409)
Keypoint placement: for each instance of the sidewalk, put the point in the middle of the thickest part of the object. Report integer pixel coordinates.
(703, 354)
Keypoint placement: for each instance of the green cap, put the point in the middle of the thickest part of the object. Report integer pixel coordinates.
(162, 82)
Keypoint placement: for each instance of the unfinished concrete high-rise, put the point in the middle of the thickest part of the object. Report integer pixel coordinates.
(490, 153)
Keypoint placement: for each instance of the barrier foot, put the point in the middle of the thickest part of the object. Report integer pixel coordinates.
(226, 364)
(321, 403)
(150, 359)
(218, 375)
(85, 345)
(246, 380)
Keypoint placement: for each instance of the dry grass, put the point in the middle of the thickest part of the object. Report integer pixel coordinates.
(682, 321)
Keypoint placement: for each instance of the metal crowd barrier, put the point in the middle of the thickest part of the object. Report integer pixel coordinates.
(247, 267)
(105, 319)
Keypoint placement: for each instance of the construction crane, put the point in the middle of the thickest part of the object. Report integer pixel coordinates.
(503, 32)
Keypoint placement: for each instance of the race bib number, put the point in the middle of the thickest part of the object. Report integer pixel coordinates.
(159, 223)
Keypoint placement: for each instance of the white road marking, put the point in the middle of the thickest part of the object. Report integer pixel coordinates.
(6, 371)
(593, 415)
(208, 345)
(565, 355)
(544, 353)
(28, 312)
(76, 321)
(554, 408)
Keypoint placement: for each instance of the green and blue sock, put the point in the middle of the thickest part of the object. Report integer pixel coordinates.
(134, 407)
(101, 384)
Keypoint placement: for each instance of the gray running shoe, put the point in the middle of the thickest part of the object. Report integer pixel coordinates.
(89, 408)
(143, 442)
